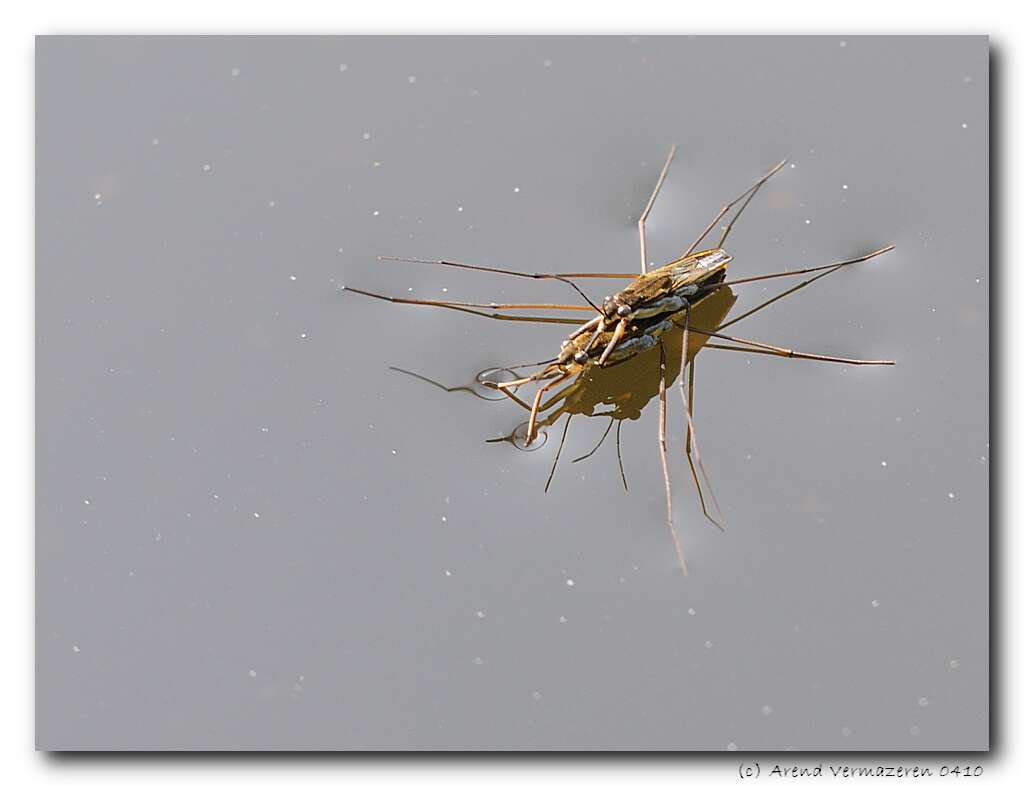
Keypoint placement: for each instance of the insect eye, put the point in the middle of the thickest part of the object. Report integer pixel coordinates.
(624, 310)
(581, 357)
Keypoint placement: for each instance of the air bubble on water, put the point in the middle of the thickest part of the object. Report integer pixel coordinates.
(459, 208)
(155, 141)
(874, 604)
(547, 64)
(732, 746)
(272, 203)
(343, 66)
(291, 278)
(807, 221)
(207, 167)
(951, 495)
(885, 464)
(303, 335)
(842, 44)
(255, 514)
(915, 730)
(845, 731)
(376, 212)
(412, 80)
(563, 619)
(954, 664)
(709, 644)
(74, 648)
(691, 612)
(366, 135)
(537, 695)
(767, 710)
(236, 71)
(444, 519)
(87, 502)
(922, 702)
(570, 583)
(478, 661)
(845, 187)
(963, 125)
(480, 615)
(447, 572)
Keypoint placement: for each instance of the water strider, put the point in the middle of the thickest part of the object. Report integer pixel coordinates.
(675, 308)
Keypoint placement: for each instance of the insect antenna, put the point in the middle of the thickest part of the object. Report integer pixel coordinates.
(600, 442)
(618, 451)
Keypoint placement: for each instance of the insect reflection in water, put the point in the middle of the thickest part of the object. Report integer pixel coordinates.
(640, 340)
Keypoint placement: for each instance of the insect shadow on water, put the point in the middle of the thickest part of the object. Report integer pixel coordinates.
(609, 359)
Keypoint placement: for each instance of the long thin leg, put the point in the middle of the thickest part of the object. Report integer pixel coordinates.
(531, 430)
(455, 306)
(692, 449)
(747, 195)
(792, 353)
(831, 266)
(503, 271)
(647, 210)
(618, 452)
(663, 446)
(558, 455)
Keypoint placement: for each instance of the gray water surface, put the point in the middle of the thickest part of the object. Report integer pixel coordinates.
(252, 534)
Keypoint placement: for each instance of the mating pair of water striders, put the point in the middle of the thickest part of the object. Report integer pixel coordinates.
(657, 304)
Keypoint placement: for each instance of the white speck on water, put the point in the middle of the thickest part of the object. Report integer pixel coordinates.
(74, 648)
(845, 731)
(515, 190)
(767, 710)
(376, 164)
(376, 212)
(807, 221)
(732, 746)
(459, 208)
(87, 502)
(394, 452)
(570, 583)
(252, 672)
(264, 429)
(963, 125)
(255, 515)
(845, 187)
(444, 289)
(915, 730)
(207, 167)
(272, 203)
(792, 166)
(922, 702)
(343, 66)
(478, 661)
(842, 44)
(874, 604)
(341, 251)
(691, 612)
(951, 495)
(447, 572)
(480, 615)
(158, 537)
(749, 456)
(155, 141)
(366, 135)
(954, 664)
(977, 281)
(537, 695)
(412, 80)
(444, 519)
(303, 335)
(547, 64)
(563, 619)
(709, 644)
(885, 464)
(97, 196)
(291, 278)
(236, 71)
